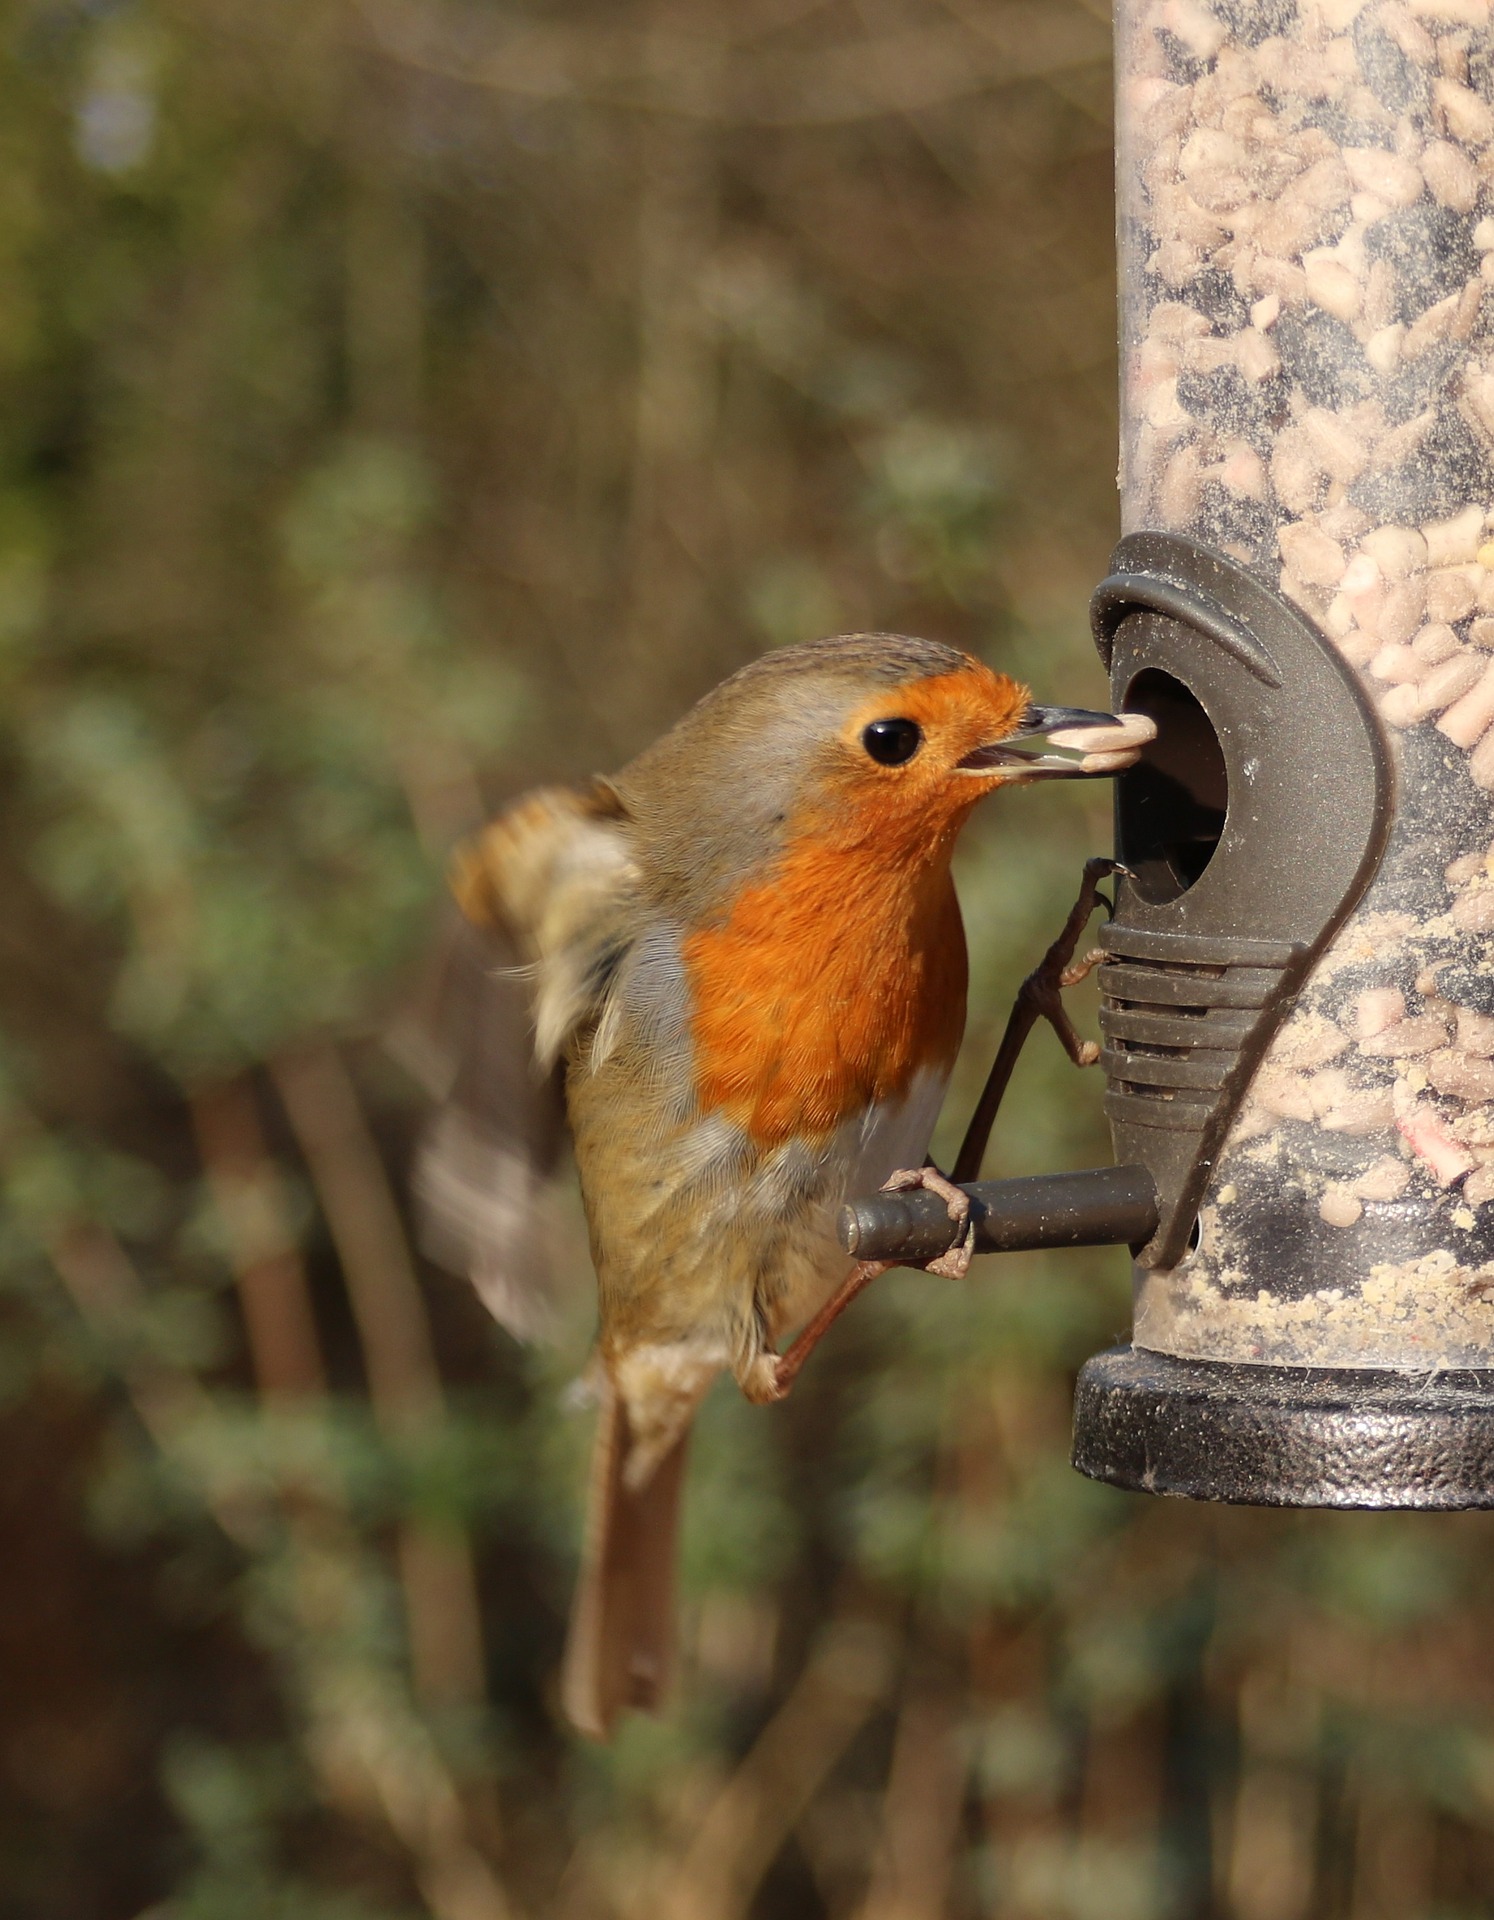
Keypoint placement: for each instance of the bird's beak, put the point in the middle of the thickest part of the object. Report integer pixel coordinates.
(1100, 743)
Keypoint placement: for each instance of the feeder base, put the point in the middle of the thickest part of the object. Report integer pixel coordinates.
(1285, 1436)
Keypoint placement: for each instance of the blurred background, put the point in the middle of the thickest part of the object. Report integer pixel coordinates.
(402, 402)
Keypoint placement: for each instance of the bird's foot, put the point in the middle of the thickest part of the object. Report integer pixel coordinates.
(768, 1376)
(1040, 997)
(955, 1263)
(1041, 993)
(761, 1380)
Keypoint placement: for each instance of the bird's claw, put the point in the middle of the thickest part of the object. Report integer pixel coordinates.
(954, 1263)
(764, 1380)
(769, 1376)
(1042, 990)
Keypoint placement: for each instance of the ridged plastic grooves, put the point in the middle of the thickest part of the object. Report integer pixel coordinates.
(1178, 1012)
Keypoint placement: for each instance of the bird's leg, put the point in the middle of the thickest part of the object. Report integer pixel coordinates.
(1040, 997)
(772, 1374)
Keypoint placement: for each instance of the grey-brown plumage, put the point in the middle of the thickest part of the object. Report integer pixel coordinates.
(747, 951)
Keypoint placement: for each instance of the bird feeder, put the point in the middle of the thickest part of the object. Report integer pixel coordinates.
(1298, 996)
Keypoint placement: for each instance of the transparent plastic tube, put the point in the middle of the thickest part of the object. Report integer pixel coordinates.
(1306, 217)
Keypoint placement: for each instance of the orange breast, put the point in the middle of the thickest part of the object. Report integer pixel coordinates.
(829, 986)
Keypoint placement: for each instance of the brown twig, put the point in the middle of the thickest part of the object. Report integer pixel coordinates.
(371, 1755)
(261, 1240)
(757, 1809)
(920, 1822)
(404, 1382)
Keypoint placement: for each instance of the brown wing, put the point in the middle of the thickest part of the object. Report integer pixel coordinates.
(486, 1157)
(558, 871)
(549, 894)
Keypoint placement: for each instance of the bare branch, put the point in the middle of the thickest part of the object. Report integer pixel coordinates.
(756, 1810)
(440, 1583)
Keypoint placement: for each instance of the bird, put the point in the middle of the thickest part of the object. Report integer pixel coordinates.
(744, 953)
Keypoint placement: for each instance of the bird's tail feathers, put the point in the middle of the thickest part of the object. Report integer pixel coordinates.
(621, 1646)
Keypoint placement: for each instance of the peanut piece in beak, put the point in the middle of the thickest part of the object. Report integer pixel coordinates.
(1108, 749)
(1135, 730)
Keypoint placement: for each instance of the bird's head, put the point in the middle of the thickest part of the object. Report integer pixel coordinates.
(865, 740)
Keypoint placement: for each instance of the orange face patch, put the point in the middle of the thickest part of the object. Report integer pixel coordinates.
(957, 711)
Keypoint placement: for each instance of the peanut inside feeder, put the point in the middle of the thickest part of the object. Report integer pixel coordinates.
(1307, 242)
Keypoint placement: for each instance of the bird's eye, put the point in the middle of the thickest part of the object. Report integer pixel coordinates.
(891, 742)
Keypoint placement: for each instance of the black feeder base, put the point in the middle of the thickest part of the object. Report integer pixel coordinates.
(1286, 1436)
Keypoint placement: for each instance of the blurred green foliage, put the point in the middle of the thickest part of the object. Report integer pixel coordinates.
(400, 402)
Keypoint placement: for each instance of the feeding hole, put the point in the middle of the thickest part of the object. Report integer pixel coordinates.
(1170, 807)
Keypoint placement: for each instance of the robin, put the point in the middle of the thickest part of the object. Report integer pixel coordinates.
(746, 952)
